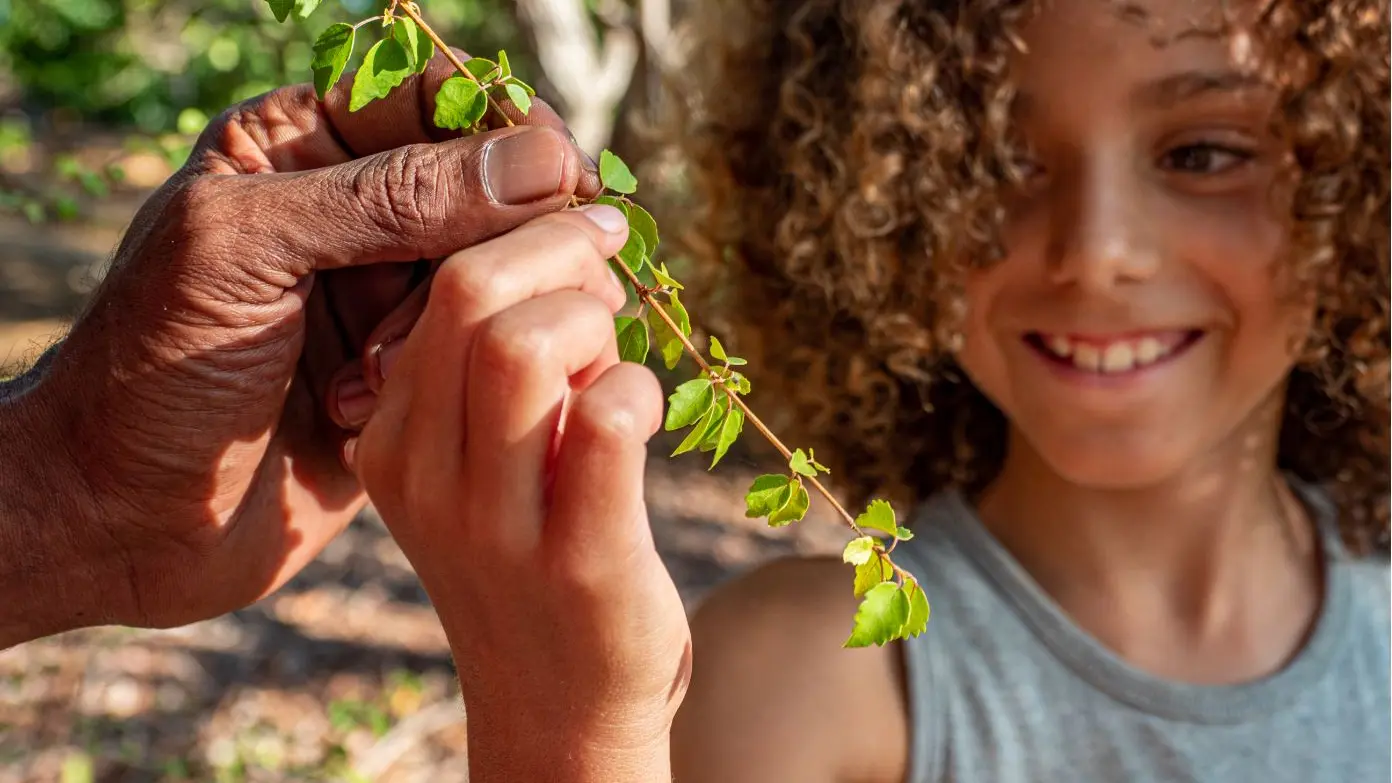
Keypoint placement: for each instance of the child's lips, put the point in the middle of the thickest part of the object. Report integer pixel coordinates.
(1112, 355)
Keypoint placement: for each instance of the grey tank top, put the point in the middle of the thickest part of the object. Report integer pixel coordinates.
(1004, 688)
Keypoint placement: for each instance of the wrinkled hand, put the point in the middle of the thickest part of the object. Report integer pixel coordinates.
(185, 399)
(506, 455)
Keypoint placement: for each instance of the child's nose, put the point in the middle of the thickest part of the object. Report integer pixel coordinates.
(1102, 236)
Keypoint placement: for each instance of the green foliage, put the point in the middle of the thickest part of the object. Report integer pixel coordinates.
(331, 52)
(615, 175)
(881, 616)
(633, 339)
(386, 65)
(459, 103)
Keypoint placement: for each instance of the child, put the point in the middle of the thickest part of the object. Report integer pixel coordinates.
(1097, 293)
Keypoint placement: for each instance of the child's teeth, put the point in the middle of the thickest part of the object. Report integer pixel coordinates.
(1118, 358)
(1148, 350)
(1061, 346)
(1087, 357)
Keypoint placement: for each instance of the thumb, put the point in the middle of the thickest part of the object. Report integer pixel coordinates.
(409, 203)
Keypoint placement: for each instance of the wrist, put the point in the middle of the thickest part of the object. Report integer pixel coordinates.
(551, 751)
(53, 570)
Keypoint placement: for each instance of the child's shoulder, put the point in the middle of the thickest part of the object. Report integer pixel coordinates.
(774, 695)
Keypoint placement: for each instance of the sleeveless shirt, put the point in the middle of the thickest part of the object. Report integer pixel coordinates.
(1005, 688)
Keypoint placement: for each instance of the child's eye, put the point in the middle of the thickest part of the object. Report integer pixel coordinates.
(1204, 158)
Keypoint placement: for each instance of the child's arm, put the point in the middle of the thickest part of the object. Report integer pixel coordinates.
(775, 697)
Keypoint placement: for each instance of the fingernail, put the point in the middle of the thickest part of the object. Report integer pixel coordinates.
(349, 453)
(618, 283)
(387, 356)
(355, 401)
(608, 218)
(523, 167)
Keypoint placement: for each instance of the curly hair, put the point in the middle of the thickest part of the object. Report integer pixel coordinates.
(833, 145)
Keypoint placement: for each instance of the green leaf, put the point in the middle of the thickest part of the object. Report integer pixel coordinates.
(614, 173)
(614, 201)
(800, 464)
(712, 433)
(303, 8)
(904, 534)
(459, 104)
(812, 458)
(281, 8)
(483, 69)
(332, 49)
(880, 617)
(520, 99)
(670, 346)
(514, 80)
(859, 550)
(504, 66)
(633, 339)
(385, 66)
(878, 516)
(703, 429)
(419, 48)
(743, 383)
(717, 350)
(77, 768)
(633, 253)
(766, 495)
(688, 403)
(794, 509)
(872, 572)
(729, 431)
(664, 277)
(918, 610)
(641, 221)
(735, 361)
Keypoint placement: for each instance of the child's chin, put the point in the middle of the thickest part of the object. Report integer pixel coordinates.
(1116, 469)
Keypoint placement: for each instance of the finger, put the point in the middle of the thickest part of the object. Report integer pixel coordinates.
(361, 297)
(351, 401)
(519, 370)
(411, 203)
(565, 250)
(596, 521)
(423, 408)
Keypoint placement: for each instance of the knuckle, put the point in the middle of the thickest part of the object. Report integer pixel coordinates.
(515, 350)
(465, 283)
(608, 423)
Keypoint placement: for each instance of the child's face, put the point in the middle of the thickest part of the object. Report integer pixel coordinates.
(1137, 321)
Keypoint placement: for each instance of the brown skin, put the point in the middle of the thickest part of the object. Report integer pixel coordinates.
(1157, 498)
(508, 429)
(175, 461)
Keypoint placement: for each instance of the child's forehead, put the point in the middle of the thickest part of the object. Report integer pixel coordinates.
(1126, 47)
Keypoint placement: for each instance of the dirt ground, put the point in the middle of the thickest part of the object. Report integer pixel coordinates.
(342, 675)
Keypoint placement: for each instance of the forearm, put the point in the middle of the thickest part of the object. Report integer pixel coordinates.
(47, 583)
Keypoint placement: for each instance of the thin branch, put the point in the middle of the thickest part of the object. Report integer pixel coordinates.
(413, 12)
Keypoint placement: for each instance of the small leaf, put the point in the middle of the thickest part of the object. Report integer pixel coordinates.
(712, 433)
(878, 516)
(800, 464)
(743, 382)
(918, 610)
(633, 252)
(764, 494)
(871, 573)
(459, 104)
(303, 8)
(522, 84)
(665, 278)
(384, 67)
(504, 65)
(904, 534)
(717, 350)
(520, 99)
(670, 346)
(482, 69)
(281, 8)
(698, 434)
(735, 361)
(331, 52)
(614, 201)
(880, 617)
(641, 221)
(729, 431)
(419, 48)
(795, 509)
(859, 550)
(688, 403)
(614, 173)
(633, 339)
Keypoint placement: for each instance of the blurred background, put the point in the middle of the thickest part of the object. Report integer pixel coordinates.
(345, 674)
